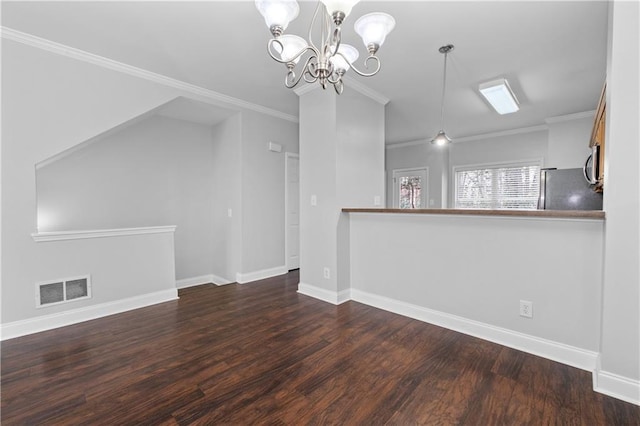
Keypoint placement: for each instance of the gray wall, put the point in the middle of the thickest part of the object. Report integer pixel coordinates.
(419, 155)
(479, 268)
(156, 172)
(51, 103)
(263, 190)
(226, 195)
(568, 142)
(342, 165)
(621, 308)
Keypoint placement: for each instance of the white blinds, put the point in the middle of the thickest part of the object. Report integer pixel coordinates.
(498, 188)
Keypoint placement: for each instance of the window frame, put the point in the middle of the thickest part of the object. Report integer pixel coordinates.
(539, 162)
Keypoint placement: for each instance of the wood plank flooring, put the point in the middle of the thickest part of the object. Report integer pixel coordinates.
(261, 353)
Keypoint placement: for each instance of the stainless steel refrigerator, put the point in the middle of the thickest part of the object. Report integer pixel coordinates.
(567, 189)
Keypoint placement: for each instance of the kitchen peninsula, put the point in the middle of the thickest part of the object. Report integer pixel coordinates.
(468, 270)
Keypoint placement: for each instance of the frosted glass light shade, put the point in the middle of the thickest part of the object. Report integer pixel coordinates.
(350, 52)
(374, 27)
(292, 46)
(343, 6)
(278, 12)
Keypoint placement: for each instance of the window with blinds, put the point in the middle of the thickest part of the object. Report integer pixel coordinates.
(500, 187)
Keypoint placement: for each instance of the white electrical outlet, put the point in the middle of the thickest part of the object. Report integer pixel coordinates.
(327, 273)
(376, 200)
(314, 200)
(526, 309)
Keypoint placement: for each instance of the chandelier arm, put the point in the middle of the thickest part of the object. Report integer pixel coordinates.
(336, 79)
(332, 49)
(326, 28)
(313, 21)
(292, 81)
(365, 74)
(298, 55)
(311, 71)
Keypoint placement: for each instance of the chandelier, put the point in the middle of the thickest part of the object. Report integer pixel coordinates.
(328, 61)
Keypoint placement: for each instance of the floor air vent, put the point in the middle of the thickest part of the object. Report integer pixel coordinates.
(62, 291)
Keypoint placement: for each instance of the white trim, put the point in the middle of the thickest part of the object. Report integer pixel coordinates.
(243, 278)
(40, 237)
(521, 130)
(511, 132)
(616, 386)
(287, 156)
(570, 355)
(497, 165)
(348, 83)
(61, 319)
(102, 136)
(406, 144)
(200, 280)
(305, 88)
(469, 138)
(81, 55)
(335, 298)
(570, 117)
(356, 85)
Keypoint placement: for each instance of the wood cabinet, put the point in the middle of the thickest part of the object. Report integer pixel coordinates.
(598, 138)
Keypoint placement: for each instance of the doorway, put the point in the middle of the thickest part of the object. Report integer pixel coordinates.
(410, 188)
(292, 211)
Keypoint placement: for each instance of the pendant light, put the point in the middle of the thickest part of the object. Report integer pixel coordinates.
(442, 138)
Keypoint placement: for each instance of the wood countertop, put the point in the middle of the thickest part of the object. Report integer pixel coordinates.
(568, 214)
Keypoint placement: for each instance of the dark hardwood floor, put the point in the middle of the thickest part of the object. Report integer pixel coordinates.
(262, 354)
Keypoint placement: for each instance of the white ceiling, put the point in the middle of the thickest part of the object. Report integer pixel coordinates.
(553, 53)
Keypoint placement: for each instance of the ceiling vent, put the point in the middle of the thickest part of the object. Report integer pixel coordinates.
(61, 291)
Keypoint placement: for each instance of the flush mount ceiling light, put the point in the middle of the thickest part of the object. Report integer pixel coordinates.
(500, 96)
(331, 59)
(442, 138)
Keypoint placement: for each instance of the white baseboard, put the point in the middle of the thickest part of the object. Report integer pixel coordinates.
(570, 355)
(61, 319)
(616, 386)
(202, 279)
(243, 278)
(329, 296)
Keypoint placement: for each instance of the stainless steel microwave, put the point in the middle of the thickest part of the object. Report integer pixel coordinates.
(591, 167)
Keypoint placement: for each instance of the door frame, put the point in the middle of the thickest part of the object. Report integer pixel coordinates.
(287, 156)
(425, 190)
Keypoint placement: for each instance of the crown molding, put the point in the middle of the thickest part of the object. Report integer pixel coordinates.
(510, 132)
(349, 83)
(306, 88)
(407, 144)
(365, 90)
(81, 55)
(569, 117)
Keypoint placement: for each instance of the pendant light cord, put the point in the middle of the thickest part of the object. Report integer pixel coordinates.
(444, 85)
